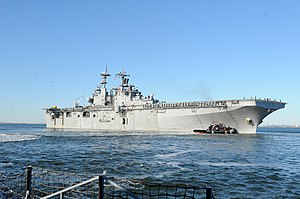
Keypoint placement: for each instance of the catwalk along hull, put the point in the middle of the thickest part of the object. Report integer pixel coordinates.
(242, 115)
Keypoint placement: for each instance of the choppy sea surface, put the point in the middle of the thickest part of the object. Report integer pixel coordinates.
(265, 165)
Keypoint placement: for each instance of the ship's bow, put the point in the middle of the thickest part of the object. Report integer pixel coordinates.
(254, 111)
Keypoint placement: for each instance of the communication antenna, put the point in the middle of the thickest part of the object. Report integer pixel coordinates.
(78, 100)
(104, 76)
(124, 78)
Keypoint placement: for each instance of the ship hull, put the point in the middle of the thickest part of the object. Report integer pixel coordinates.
(242, 115)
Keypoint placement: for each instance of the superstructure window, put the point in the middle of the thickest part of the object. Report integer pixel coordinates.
(68, 114)
(86, 114)
(124, 120)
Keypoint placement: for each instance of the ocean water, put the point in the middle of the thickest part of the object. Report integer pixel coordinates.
(265, 165)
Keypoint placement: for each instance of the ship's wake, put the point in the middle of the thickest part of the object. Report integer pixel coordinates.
(17, 137)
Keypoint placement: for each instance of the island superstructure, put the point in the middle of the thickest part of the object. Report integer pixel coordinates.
(125, 109)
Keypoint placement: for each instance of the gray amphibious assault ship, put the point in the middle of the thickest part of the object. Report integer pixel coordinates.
(126, 109)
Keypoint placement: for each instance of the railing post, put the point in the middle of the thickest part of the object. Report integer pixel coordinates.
(208, 193)
(101, 187)
(28, 181)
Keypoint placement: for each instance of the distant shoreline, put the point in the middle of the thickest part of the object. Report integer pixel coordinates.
(20, 123)
(279, 126)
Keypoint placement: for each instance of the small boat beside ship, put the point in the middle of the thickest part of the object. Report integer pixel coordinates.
(125, 109)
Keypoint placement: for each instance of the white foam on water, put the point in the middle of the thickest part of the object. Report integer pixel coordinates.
(6, 164)
(226, 164)
(17, 137)
(174, 164)
(168, 155)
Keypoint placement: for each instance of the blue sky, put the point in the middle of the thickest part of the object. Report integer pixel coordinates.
(52, 52)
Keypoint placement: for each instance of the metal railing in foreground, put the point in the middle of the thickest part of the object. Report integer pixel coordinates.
(109, 189)
(65, 193)
(42, 183)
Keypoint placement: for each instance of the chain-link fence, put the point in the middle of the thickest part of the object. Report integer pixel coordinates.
(42, 183)
(45, 182)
